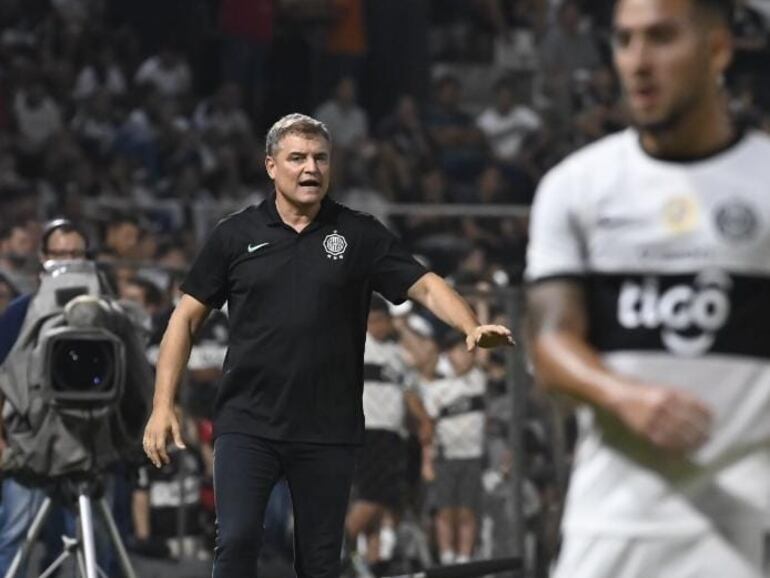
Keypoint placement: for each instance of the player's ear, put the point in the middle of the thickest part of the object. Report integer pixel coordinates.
(721, 46)
(270, 166)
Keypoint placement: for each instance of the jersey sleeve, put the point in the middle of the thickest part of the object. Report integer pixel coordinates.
(393, 268)
(556, 242)
(207, 278)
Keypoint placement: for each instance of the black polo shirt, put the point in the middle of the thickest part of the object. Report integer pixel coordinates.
(298, 304)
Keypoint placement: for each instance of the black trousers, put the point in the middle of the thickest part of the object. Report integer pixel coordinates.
(319, 476)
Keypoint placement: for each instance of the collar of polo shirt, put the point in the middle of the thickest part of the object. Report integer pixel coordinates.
(273, 219)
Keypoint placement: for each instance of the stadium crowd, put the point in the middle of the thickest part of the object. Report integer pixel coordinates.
(143, 122)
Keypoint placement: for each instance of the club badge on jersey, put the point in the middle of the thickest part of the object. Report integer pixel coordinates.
(335, 246)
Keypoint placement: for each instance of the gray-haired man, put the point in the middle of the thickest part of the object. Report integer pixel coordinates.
(297, 272)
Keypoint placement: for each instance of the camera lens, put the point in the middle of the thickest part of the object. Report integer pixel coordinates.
(82, 365)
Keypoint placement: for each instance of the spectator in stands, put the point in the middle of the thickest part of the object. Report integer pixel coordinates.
(152, 129)
(222, 115)
(509, 127)
(146, 294)
(506, 15)
(457, 403)
(460, 146)
(389, 397)
(73, 14)
(161, 496)
(138, 137)
(346, 45)
(8, 292)
(122, 178)
(494, 186)
(11, 182)
(102, 74)
(348, 122)
(17, 254)
(122, 236)
(95, 124)
(247, 32)
(186, 185)
(472, 269)
(404, 148)
(599, 110)
(173, 255)
(568, 54)
(38, 118)
(434, 188)
(229, 177)
(168, 72)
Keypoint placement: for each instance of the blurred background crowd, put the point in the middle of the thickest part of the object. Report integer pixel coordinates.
(144, 122)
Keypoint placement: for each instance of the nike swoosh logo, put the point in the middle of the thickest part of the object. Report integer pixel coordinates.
(253, 248)
(617, 222)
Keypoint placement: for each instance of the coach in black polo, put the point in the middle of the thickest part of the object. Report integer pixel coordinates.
(297, 273)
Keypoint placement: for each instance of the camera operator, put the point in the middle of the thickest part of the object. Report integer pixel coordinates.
(60, 240)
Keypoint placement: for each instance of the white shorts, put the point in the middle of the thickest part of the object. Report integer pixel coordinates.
(703, 556)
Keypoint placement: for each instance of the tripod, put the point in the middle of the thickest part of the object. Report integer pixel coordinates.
(83, 547)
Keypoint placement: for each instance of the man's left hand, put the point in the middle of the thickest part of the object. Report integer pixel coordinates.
(488, 336)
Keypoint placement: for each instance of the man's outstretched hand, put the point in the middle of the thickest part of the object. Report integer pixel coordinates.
(488, 336)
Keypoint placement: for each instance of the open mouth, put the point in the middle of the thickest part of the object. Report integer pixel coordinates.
(645, 94)
(310, 183)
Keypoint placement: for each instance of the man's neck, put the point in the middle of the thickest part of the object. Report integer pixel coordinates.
(296, 216)
(698, 135)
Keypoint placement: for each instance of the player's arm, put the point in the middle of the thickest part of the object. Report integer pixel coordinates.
(565, 362)
(424, 423)
(175, 347)
(435, 294)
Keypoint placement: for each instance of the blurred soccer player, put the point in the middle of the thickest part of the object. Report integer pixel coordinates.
(649, 265)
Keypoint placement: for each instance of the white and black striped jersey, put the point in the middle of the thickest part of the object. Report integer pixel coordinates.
(386, 378)
(675, 257)
(458, 404)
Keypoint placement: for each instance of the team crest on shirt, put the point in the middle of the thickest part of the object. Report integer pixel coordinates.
(680, 214)
(737, 221)
(335, 245)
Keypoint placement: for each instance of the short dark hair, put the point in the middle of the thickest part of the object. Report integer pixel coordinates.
(152, 293)
(724, 9)
(63, 225)
(124, 218)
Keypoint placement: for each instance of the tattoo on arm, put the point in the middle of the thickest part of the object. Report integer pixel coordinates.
(556, 306)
